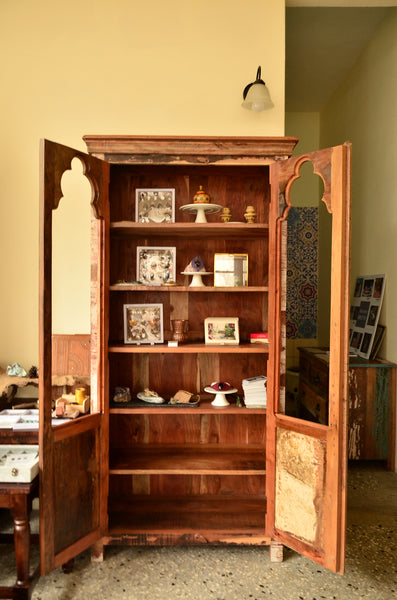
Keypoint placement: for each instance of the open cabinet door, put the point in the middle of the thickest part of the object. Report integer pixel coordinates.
(307, 462)
(70, 455)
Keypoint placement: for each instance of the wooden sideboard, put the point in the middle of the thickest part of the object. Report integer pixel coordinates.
(372, 402)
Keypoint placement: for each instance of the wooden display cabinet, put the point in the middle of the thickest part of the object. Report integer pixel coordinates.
(192, 475)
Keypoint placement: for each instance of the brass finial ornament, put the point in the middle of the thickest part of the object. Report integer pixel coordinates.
(250, 214)
(226, 214)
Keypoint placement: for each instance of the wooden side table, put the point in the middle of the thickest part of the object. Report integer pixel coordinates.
(18, 497)
(372, 402)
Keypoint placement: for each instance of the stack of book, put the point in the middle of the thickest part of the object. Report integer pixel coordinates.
(261, 337)
(255, 391)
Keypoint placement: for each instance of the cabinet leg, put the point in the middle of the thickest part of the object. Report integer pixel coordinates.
(97, 552)
(276, 551)
(68, 566)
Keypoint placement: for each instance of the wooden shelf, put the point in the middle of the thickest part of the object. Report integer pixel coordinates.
(189, 230)
(203, 459)
(204, 517)
(205, 407)
(189, 349)
(127, 287)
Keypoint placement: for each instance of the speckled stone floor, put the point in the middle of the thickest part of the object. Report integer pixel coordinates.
(242, 573)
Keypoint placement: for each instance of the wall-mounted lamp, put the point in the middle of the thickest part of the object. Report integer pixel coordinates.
(256, 95)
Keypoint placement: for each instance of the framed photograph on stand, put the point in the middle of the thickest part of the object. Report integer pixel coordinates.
(221, 330)
(230, 270)
(143, 324)
(364, 314)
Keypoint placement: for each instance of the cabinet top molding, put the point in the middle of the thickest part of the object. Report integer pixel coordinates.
(189, 150)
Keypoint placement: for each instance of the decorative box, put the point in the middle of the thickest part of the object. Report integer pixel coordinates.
(18, 463)
(19, 418)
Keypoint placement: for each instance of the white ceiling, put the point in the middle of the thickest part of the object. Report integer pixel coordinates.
(322, 45)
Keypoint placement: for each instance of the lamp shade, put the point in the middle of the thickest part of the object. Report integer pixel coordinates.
(256, 96)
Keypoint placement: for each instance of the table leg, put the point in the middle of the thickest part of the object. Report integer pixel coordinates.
(20, 514)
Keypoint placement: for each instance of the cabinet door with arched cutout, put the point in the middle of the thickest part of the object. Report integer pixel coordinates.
(71, 445)
(307, 460)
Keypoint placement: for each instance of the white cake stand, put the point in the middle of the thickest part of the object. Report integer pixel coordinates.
(201, 208)
(197, 277)
(220, 397)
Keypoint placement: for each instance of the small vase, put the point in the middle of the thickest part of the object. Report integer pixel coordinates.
(179, 328)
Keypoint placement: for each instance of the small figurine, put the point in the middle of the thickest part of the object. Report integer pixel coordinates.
(201, 197)
(15, 370)
(250, 214)
(122, 394)
(195, 265)
(196, 269)
(226, 214)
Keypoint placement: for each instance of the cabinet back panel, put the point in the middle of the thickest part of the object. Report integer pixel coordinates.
(234, 187)
(122, 487)
(123, 256)
(127, 430)
(168, 373)
(251, 309)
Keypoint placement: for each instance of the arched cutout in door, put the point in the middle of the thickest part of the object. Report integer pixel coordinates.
(308, 275)
(71, 231)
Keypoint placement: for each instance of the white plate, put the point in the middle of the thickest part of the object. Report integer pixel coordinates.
(150, 399)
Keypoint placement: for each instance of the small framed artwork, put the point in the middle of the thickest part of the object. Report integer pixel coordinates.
(221, 330)
(155, 205)
(364, 315)
(155, 265)
(143, 324)
(230, 270)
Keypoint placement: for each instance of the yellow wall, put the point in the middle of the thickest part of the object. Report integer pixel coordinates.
(364, 110)
(127, 66)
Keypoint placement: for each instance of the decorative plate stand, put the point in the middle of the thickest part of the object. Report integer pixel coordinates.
(197, 277)
(220, 399)
(200, 210)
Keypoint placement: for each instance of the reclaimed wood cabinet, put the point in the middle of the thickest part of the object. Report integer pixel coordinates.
(372, 402)
(193, 475)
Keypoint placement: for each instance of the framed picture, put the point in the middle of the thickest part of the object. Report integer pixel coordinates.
(155, 265)
(364, 315)
(154, 205)
(143, 324)
(230, 270)
(221, 330)
(378, 339)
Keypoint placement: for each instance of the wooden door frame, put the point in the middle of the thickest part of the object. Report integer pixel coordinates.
(55, 159)
(333, 166)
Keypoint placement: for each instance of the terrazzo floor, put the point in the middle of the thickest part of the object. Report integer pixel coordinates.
(244, 573)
